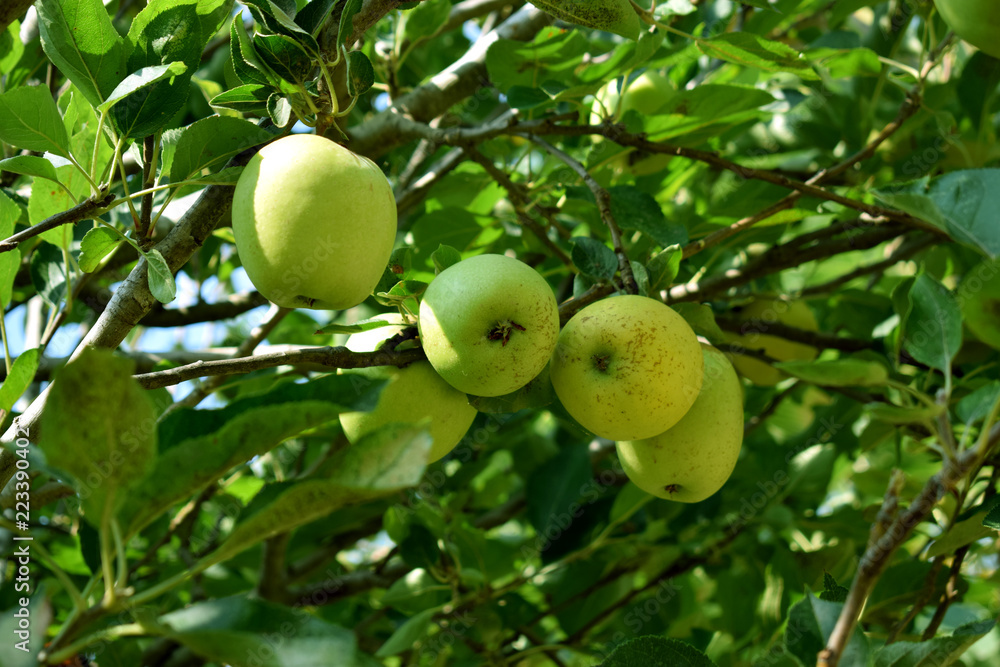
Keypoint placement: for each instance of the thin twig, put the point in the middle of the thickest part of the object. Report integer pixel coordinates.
(82, 211)
(603, 198)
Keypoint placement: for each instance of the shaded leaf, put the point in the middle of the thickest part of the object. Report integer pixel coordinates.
(406, 635)
(656, 652)
(933, 331)
(750, 50)
(360, 73)
(810, 622)
(837, 372)
(141, 79)
(940, 651)
(22, 373)
(594, 258)
(97, 244)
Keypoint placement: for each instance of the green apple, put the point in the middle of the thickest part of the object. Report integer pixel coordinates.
(488, 324)
(314, 223)
(979, 296)
(975, 21)
(627, 367)
(693, 459)
(413, 394)
(755, 318)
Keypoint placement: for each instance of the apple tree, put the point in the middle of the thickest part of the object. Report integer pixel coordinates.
(812, 185)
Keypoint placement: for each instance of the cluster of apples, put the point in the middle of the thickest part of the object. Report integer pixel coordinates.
(627, 368)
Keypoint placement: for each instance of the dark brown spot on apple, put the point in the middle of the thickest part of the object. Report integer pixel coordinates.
(601, 362)
(672, 488)
(502, 331)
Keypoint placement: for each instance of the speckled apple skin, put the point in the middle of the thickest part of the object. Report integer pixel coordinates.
(462, 306)
(653, 367)
(692, 460)
(414, 394)
(314, 223)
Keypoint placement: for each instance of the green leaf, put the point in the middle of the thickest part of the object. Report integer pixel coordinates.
(48, 273)
(351, 7)
(357, 327)
(655, 651)
(166, 31)
(702, 320)
(663, 268)
(246, 63)
(444, 257)
(810, 622)
(249, 98)
(30, 165)
(29, 119)
(313, 16)
(535, 395)
(10, 262)
(977, 405)
(615, 16)
(937, 652)
(161, 278)
(406, 635)
(279, 109)
(750, 50)
(99, 425)
(837, 372)
(141, 79)
(963, 203)
(420, 548)
(97, 244)
(555, 488)
(284, 56)
(22, 372)
(217, 440)
(594, 258)
(425, 19)
(39, 611)
(80, 40)
(360, 73)
(992, 518)
(231, 630)
(207, 144)
(638, 210)
(691, 117)
(933, 330)
(832, 591)
(960, 534)
(383, 462)
(895, 414)
(11, 47)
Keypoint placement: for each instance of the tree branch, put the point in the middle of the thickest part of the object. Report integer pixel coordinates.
(82, 211)
(11, 11)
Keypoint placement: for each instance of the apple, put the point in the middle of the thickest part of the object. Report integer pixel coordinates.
(975, 21)
(488, 324)
(627, 367)
(413, 394)
(693, 459)
(979, 296)
(314, 223)
(647, 95)
(755, 318)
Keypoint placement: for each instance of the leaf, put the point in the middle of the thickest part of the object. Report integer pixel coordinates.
(10, 261)
(346, 28)
(425, 19)
(313, 16)
(810, 623)
(832, 591)
(555, 488)
(653, 651)
(960, 534)
(29, 119)
(638, 210)
(977, 405)
(663, 268)
(230, 630)
(382, 462)
(992, 519)
(21, 375)
(250, 426)
(406, 635)
(99, 425)
(536, 394)
(933, 330)
(937, 652)
(39, 611)
(249, 98)
(750, 50)
(894, 414)
(357, 327)
(165, 31)
(161, 278)
(11, 46)
(48, 273)
(97, 244)
(284, 56)
(246, 63)
(30, 165)
(962, 203)
(79, 39)
(615, 16)
(360, 73)
(594, 258)
(702, 320)
(279, 109)
(837, 372)
(141, 79)
(207, 144)
(444, 257)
